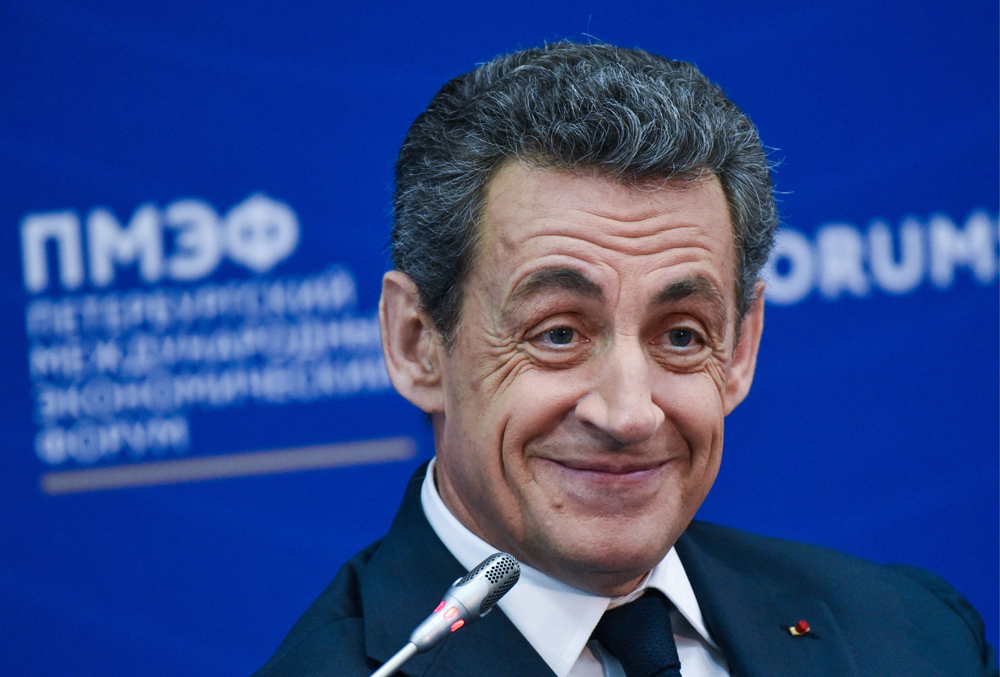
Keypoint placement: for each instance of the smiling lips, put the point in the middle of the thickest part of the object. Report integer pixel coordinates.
(608, 486)
(610, 468)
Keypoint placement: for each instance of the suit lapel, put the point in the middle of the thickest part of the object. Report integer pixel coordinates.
(749, 615)
(403, 583)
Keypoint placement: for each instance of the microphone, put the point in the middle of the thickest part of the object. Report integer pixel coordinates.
(468, 599)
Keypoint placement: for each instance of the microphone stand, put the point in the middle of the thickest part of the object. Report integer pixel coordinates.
(396, 662)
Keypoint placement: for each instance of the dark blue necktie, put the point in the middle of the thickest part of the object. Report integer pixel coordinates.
(640, 636)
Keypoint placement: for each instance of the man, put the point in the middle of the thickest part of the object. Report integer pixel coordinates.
(576, 304)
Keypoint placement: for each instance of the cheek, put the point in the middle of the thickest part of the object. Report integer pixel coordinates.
(535, 405)
(693, 405)
(492, 414)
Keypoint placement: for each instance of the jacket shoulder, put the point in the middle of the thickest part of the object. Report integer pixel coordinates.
(779, 565)
(329, 637)
(900, 604)
(803, 567)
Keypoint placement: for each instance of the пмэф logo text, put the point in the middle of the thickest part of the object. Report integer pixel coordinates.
(183, 242)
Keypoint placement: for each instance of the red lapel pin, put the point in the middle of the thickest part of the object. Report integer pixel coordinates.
(799, 629)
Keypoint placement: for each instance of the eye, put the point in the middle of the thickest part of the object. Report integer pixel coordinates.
(680, 338)
(558, 346)
(559, 343)
(682, 345)
(560, 336)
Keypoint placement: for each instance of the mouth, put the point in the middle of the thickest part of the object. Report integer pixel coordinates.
(601, 476)
(605, 486)
(617, 467)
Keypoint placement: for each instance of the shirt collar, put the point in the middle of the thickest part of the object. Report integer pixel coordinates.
(555, 618)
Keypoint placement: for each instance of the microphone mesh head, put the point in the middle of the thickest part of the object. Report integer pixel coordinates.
(502, 571)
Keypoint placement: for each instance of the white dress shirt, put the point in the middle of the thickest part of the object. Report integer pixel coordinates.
(557, 619)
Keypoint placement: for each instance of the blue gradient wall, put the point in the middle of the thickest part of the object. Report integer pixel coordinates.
(195, 426)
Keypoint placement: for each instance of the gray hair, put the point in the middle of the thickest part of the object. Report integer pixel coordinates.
(628, 114)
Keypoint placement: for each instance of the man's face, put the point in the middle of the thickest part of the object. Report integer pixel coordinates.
(584, 396)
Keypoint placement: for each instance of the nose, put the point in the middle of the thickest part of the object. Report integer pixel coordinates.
(620, 403)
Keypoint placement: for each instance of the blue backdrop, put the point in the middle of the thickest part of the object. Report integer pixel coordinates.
(196, 426)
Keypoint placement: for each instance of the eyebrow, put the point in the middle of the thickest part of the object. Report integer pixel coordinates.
(698, 287)
(574, 281)
(566, 279)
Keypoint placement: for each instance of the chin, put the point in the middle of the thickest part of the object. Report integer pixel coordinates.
(612, 556)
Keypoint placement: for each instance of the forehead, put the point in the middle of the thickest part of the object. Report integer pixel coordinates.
(535, 219)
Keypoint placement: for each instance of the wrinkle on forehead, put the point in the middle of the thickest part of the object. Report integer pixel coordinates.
(610, 197)
(530, 204)
(539, 225)
(643, 240)
(629, 205)
(606, 188)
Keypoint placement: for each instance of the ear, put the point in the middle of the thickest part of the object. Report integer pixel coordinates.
(410, 343)
(744, 360)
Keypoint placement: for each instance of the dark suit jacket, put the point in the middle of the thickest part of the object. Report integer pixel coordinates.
(865, 619)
